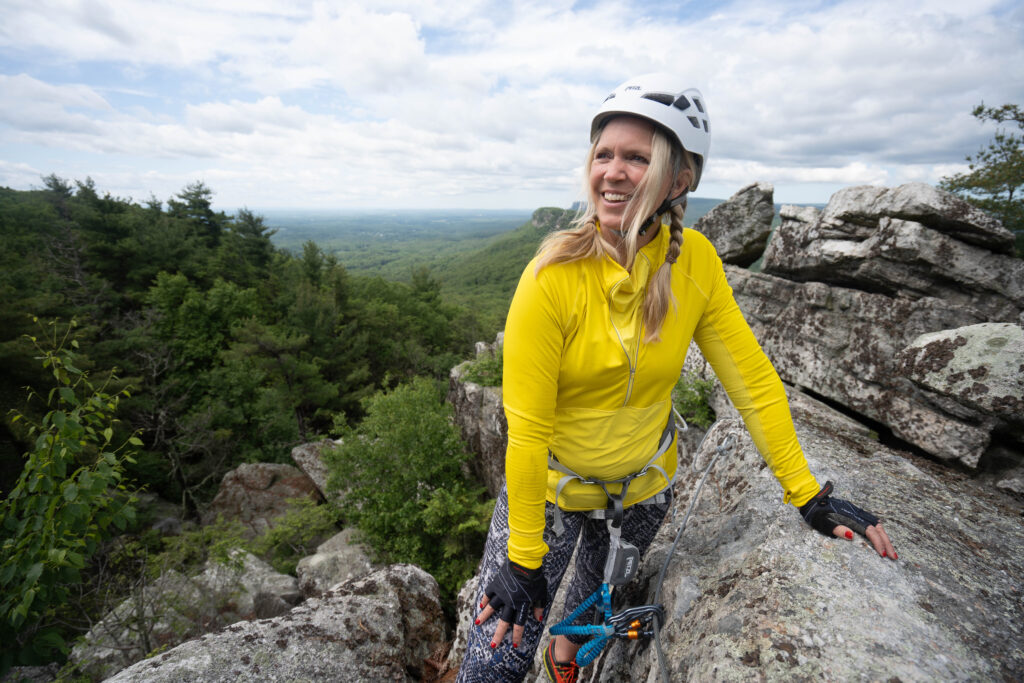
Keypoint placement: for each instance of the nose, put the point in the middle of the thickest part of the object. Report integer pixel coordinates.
(616, 169)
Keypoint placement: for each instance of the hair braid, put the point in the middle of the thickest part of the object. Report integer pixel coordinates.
(659, 293)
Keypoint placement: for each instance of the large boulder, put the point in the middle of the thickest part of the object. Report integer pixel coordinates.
(980, 366)
(337, 559)
(865, 205)
(897, 258)
(739, 227)
(843, 345)
(383, 627)
(256, 493)
(309, 457)
(175, 607)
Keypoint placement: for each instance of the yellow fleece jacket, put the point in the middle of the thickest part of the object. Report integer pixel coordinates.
(579, 380)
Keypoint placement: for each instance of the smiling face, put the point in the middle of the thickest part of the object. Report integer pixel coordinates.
(621, 157)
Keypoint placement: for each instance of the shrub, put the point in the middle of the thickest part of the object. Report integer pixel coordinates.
(486, 370)
(68, 499)
(296, 533)
(400, 474)
(691, 397)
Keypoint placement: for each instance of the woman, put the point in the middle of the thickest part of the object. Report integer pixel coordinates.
(595, 340)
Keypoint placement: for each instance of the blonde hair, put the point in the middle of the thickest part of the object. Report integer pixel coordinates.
(583, 240)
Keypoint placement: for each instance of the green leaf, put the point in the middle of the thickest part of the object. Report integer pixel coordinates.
(108, 433)
(135, 441)
(33, 573)
(70, 492)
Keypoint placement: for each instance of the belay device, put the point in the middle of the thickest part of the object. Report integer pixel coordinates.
(621, 566)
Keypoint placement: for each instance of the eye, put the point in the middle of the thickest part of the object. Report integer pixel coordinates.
(639, 159)
(603, 154)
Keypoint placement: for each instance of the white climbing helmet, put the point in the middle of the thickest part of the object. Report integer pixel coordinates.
(665, 100)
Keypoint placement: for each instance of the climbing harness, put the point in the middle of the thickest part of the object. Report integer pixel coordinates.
(623, 560)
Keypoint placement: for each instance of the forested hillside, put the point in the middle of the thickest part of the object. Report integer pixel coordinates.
(234, 350)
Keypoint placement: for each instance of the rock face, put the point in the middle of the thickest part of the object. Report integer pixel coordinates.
(751, 592)
(845, 291)
(382, 627)
(843, 343)
(897, 258)
(481, 420)
(739, 227)
(175, 608)
(255, 493)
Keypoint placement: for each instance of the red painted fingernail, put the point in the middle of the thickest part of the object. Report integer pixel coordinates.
(477, 622)
(895, 556)
(849, 535)
(883, 553)
(493, 645)
(515, 644)
(481, 604)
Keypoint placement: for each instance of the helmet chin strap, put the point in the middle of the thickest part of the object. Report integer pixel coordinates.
(663, 208)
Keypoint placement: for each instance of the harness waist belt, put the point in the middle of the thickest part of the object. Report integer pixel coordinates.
(615, 500)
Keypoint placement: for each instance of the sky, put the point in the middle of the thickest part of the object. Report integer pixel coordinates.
(480, 104)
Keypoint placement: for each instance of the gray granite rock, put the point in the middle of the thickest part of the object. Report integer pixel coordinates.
(864, 205)
(899, 258)
(308, 457)
(176, 607)
(739, 227)
(481, 419)
(382, 627)
(337, 559)
(980, 366)
(754, 594)
(843, 343)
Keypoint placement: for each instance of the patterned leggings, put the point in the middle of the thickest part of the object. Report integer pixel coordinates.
(506, 664)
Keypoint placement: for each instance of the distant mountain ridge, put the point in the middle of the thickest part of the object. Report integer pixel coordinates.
(476, 255)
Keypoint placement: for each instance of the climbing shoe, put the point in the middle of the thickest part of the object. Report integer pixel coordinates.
(559, 672)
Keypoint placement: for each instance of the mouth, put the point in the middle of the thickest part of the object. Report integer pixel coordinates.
(615, 197)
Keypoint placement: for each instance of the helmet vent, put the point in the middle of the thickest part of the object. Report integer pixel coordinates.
(609, 97)
(658, 97)
(706, 126)
(700, 107)
(694, 122)
(682, 104)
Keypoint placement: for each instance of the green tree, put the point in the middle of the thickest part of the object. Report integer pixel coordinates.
(996, 177)
(69, 498)
(194, 204)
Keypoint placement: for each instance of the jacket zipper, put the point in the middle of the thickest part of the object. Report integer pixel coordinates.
(635, 358)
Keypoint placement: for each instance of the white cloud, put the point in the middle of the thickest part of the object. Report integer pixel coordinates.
(406, 101)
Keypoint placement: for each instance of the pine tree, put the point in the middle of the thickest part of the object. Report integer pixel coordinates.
(995, 181)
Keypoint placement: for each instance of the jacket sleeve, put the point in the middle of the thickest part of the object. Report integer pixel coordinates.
(753, 385)
(534, 338)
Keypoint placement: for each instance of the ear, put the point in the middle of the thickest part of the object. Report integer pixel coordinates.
(682, 183)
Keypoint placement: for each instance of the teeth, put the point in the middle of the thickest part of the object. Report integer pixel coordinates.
(613, 197)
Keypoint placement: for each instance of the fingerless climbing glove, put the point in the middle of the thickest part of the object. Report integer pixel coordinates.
(825, 513)
(515, 590)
